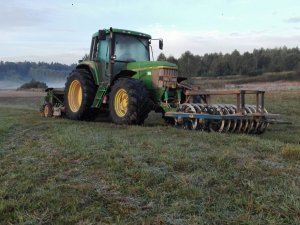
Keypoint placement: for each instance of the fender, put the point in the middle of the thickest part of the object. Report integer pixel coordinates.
(124, 73)
(94, 68)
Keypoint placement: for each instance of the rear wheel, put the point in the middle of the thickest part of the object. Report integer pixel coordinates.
(79, 95)
(128, 102)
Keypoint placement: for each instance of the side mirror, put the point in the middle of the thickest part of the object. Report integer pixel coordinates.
(102, 35)
(161, 44)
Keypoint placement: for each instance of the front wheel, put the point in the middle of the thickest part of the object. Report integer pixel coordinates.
(128, 102)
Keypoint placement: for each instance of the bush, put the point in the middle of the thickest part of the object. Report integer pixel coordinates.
(33, 84)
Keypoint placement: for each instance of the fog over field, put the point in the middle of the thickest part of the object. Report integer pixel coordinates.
(60, 84)
(10, 84)
(17, 84)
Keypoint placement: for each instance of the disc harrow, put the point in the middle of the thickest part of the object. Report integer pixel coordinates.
(220, 118)
(223, 118)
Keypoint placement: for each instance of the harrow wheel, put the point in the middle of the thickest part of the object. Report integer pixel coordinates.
(190, 123)
(216, 125)
(232, 110)
(263, 125)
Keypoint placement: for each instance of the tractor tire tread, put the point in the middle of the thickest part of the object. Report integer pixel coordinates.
(139, 103)
(89, 89)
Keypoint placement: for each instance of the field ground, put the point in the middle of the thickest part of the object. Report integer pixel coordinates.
(268, 81)
(57, 171)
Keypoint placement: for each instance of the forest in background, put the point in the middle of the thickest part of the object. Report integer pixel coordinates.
(209, 65)
(253, 63)
(41, 71)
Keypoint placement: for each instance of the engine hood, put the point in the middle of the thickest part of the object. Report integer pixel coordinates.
(150, 65)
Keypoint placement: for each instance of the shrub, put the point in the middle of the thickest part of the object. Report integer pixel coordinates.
(33, 84)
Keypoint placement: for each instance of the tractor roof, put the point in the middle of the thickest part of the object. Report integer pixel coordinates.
(123, 31)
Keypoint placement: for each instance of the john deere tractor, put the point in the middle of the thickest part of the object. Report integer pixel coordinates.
(119, 78)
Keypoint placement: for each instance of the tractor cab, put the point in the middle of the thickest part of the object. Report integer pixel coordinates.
(113, 49)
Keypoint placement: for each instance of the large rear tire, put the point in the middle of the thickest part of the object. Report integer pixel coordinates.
(79, 95)
(129, 102)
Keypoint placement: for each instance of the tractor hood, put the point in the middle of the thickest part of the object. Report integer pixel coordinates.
(155, 74)
(150, 65)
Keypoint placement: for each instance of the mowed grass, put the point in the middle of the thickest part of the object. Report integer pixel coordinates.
(58, 171)
(221, 82)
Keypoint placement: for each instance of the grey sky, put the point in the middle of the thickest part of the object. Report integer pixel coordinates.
(60, 31)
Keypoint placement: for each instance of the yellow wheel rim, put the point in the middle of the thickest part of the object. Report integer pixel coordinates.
(75, 95)
(121, 102)
(46, 110)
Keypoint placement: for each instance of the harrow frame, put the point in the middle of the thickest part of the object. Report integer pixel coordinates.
(241, 118)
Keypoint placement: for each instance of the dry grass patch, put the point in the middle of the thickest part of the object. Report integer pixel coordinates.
(291, 152)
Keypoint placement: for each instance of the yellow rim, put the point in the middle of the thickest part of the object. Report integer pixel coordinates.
(121, 102)
(75, 95)
(46, 110)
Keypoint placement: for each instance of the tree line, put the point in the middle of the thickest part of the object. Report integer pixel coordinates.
(257, 62)
(41, 71)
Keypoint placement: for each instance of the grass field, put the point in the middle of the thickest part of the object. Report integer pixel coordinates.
(272, 80)
(57, 171)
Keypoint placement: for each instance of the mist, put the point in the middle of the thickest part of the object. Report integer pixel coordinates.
(6, 85)
(11, 85)
(57, 84)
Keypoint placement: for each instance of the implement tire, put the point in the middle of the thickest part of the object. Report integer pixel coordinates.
(80, 91)
(48, 110)
(129, 102)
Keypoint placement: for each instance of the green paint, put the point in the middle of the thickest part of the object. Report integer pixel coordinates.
(166, 95)
(141, 70)
(123, 31)
(94, 68)
(144, 73)
(138, 66)
(101, 91)
(167, 108)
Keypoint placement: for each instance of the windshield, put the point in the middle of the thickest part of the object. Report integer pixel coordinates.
(131, 48)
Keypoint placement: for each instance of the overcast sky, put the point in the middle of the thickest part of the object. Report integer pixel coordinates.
(60, 30)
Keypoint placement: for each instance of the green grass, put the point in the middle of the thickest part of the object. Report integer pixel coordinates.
(57, 171)
(221, 82)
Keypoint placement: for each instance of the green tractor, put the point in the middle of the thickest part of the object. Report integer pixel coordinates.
(119, 78)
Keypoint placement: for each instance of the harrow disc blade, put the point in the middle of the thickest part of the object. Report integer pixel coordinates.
(190, 123)
(216, 125)
(245, 122)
